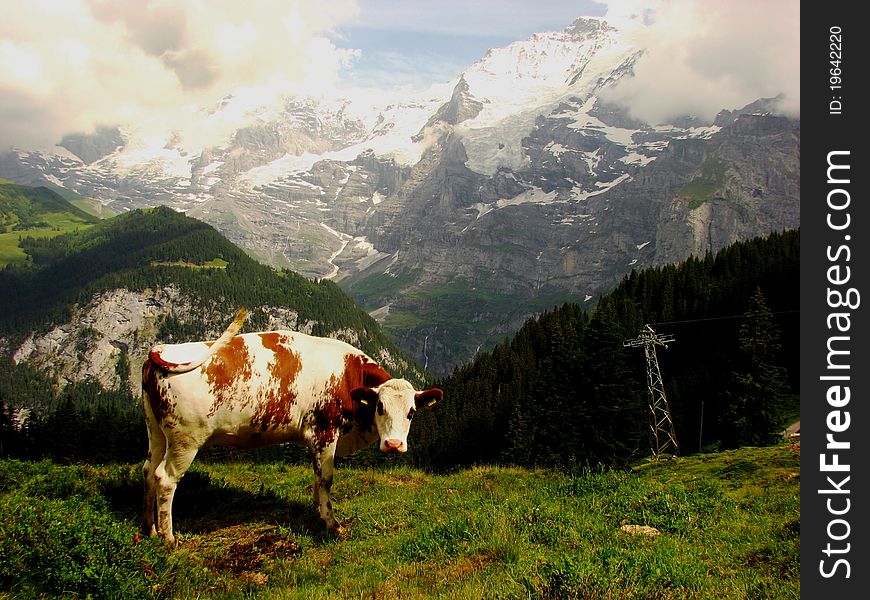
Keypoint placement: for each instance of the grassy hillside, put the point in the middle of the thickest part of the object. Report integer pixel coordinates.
(89, 205)
(35, 212)
(729, 527)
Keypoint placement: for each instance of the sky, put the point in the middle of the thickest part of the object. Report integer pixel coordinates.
(69, 66)
(409, 43)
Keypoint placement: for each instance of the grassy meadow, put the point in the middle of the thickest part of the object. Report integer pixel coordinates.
(54, 224)
(728, 524)
(37, 212)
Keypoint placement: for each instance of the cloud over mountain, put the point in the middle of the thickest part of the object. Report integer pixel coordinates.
(70, 66)
(703, 55)
(160, 66)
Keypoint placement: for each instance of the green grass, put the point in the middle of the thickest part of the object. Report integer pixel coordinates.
(729, 523)
(370, 291)
(215, 263)
(706, 183)
(93, 207)
(89, 205)
(35, 212)
(56, 224)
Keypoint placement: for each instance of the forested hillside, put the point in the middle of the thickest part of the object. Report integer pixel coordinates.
(566, 392)
(188, 278)
(151, 249)
(563, 392)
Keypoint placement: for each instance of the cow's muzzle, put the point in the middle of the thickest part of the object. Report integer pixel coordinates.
(392, 446)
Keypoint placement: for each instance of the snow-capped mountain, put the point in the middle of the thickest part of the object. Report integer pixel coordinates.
(456, 214)
(516, 84)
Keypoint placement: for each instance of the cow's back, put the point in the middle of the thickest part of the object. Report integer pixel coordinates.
(260, 388)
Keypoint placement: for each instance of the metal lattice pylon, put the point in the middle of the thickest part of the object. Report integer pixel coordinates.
(664, 438)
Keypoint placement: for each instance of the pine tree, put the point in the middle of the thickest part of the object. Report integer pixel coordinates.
(7, 431)
(616, 426)
(758, 388)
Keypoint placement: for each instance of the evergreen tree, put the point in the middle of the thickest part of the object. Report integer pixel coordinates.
(758, 387)
(8, 442)
(555, 405)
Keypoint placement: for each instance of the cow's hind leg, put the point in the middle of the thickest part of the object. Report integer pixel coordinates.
(156, 452)
(178, 458)
(323, 470)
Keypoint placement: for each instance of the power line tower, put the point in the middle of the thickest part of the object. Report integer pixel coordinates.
(664, 438)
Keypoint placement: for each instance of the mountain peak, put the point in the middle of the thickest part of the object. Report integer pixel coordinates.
(583, 27)
(460, 107)
(550, 55)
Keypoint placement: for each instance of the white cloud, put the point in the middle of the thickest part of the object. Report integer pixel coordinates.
(70, 65)
(706, 55)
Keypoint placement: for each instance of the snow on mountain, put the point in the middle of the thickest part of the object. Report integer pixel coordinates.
(390, 135)
(518, 83)
(543, 68)
(256, 146)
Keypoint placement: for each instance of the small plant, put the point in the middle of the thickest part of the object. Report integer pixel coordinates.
(448, 538)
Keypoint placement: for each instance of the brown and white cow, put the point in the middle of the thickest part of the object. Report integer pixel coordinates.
(266, 388)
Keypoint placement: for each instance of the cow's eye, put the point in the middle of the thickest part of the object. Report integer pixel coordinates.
(380, 408)
(411, 413)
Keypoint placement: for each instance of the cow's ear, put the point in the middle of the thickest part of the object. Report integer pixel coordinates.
(428, 398)
(364, 395)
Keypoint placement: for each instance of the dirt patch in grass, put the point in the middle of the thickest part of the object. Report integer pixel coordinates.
(243, 550)
(464, 567)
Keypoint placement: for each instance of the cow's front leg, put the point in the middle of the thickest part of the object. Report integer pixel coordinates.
(324, 461)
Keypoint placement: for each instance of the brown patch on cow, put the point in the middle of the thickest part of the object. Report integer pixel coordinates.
(327, 418)
(158, 398)
(358, 371)
(338, 408)
(274, 408)
(372, 373)
(229, 366)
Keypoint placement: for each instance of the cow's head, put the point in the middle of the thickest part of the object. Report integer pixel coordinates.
(394, 403)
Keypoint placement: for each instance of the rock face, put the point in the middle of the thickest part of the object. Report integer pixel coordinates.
(108, 339)
(461, 107)
(92, 147)
(91, 345)
(456, 217)
(471, 257)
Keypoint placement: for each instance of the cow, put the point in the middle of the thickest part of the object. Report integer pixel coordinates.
(257, 389)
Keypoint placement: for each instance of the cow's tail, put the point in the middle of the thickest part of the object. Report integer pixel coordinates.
(223, 340)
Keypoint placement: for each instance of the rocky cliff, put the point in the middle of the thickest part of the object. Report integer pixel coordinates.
(108, 339)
